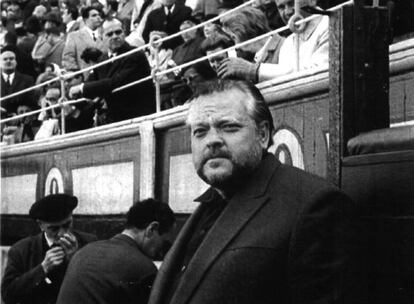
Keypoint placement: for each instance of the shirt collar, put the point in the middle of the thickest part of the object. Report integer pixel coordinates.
(48, 241)
(310, 28)
(96, 32)
(171, 9)
(69, 25)
(6, 75)
(261, 54)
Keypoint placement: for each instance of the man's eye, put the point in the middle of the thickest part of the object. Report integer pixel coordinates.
(230, 128)
(199, 132)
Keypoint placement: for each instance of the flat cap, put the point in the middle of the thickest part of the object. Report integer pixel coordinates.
(53, 208)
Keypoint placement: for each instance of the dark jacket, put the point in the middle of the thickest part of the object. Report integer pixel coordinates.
(108, 272)
(24, 278)
(283, 238)
(135, 101)
(20, 82)
(157, 21)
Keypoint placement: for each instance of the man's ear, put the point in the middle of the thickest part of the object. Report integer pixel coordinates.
(41, 225)
(264, 133)
(151, 228)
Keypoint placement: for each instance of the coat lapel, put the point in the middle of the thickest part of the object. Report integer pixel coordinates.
(241, 208)
(167, 270)
(233, 219)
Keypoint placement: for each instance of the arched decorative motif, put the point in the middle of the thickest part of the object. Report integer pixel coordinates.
(54, 182)
(287, 148)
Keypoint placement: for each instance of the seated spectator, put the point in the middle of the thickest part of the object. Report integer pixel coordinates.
(121, 270)
(129, 103)
(242, 25)
(51, 51)
(211, 28)
(69, 15)
(190, 48)
(89, 35)
(13, 81)
(24, 129)
(25, 62)
(79, 116)
(216, 43)
(50, 118)
(313, 49)
(165, 21)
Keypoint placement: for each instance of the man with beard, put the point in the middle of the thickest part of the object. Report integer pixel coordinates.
(264, 232)
(129, 103)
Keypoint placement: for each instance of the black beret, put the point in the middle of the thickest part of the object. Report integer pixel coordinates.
(53, 208)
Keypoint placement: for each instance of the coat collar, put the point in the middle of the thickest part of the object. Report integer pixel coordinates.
(241, 207)
(310, 28)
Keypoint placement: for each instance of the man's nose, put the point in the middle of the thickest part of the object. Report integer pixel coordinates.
(214, 138)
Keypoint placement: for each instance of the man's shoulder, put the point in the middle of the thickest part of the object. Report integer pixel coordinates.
(85, 236)
(26, 243)
(24, 77)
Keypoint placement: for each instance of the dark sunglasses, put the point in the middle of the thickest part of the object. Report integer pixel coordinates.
(117, 32)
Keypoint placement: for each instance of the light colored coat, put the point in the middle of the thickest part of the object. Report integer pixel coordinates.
(76, 43)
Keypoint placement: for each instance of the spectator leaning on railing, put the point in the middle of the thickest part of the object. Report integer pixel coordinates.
(242, 25)
(129, 103)
(313, 49)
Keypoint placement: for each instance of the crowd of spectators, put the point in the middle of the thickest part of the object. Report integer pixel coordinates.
(41, 40)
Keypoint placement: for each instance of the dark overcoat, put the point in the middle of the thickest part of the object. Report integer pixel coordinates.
(285, 237)
(24, 280)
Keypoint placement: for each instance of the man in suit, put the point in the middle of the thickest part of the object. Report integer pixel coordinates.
(120, 270)
(69, 16)
(36, 264)
(78, 41)
(129, 103)
(165, 21)
(264, 232)
(13, 81)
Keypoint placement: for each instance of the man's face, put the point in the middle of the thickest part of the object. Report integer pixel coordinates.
(14, 12)
(55, 230)
(22, 109)
(114, 36)
(52, 95)
(8, 62)
(188, 36)
(216, 60)
(226, 143)
(286, 8)
(66, 17)
(94, 19)
(156, 245)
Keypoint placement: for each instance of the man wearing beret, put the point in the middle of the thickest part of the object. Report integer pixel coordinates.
(36, 265)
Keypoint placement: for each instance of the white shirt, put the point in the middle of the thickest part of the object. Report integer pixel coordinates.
(313, 50)
(92, 33)
(69, 25)
(8, 75)
(171, 9)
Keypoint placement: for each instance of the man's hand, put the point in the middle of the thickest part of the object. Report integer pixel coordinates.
(69, 244)
(237, 68)
(54, 257)
(76, 91)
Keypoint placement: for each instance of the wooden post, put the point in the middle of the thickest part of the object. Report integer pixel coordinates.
(359, 77)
